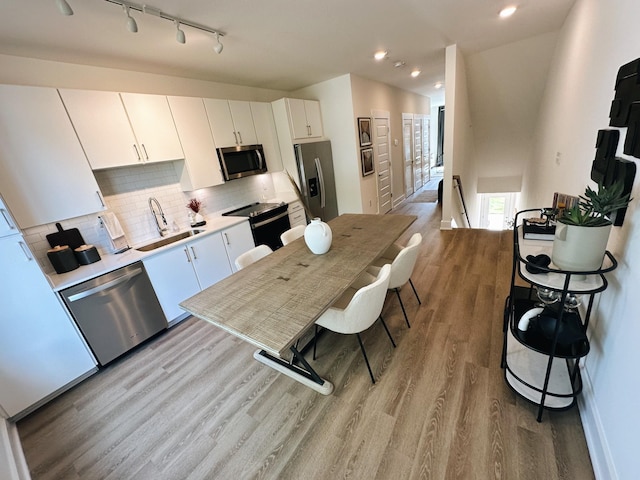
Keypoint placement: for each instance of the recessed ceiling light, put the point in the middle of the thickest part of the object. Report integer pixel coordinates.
(415, 72)
(379, 55)
(438, 85)
(399, 64)
(508, 11)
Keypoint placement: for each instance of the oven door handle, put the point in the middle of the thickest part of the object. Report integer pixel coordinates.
(269, 220)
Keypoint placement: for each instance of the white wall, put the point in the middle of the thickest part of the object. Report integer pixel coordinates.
(597, 38)
(458, 139)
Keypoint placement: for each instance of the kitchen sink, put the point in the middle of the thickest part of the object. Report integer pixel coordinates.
(169, 240)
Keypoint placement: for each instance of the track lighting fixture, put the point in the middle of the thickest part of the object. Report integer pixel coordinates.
(64, 7)
(180, 38)
(132, 26)
(218, 47)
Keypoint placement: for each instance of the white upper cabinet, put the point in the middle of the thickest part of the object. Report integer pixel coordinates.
(122, 129)
(267, 135)
(231, 122)
(200, 168)
(153, 126)
(304, 118)
(44, 174)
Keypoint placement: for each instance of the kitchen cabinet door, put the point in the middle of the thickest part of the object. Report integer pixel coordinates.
(266, 133)
(44, 174)
(153, 126)
(209, 259)
(41, 350)
(7, 224)
(173, 278)
(304, 118)
(103, 127)
(237, 240)
(201, 167)
(231, 122)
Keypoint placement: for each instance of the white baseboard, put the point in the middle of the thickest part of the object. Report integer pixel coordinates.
(12, 462)
(601, 460)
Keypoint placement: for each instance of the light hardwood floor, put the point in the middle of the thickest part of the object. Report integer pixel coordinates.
(193, 404)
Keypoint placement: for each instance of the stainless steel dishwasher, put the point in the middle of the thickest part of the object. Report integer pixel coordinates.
(116, 311)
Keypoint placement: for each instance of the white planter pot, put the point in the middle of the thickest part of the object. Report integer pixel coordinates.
(577, 248)
(318, 236)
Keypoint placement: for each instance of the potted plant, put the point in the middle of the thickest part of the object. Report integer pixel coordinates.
(195, 218)
(582, 231)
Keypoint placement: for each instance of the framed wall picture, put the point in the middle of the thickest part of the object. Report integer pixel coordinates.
(366, 157)
(364, 131)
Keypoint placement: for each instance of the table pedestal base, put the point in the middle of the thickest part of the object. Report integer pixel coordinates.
(307, 375)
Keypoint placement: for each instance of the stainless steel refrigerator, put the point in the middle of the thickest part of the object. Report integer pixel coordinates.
(316, 179)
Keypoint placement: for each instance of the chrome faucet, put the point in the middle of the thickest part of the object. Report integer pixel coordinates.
(161, 230)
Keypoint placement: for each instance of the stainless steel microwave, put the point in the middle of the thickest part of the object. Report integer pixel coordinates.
(241, 161)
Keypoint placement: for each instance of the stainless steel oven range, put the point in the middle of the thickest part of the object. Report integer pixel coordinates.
(267, 221)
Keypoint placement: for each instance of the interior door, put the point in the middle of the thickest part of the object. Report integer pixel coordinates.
(407, 141)
(417, 152)
(383, 161)
(426, 149)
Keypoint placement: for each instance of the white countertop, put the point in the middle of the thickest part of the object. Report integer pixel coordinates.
(112, 262)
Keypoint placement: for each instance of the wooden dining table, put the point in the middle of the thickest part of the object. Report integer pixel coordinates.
(274, 301)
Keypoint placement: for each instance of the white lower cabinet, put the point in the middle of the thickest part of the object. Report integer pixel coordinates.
(179, 273)
(297, 215)
(41, 351)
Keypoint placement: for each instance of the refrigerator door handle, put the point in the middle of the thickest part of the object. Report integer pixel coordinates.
(302, 176)
(321, 178)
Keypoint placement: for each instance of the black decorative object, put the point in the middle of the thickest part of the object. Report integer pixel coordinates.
(606, 147)
(627, 92)
(632, 140)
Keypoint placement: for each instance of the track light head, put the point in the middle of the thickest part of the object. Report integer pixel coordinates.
(132, 26)
(218, 47)
(180, 37)
(64, 7)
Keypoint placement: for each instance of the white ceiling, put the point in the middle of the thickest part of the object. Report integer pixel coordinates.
(276, 44)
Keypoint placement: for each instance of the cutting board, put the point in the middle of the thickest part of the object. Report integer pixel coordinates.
(71, 237)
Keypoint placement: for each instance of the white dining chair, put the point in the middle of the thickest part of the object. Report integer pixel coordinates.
(403, 261)
(357, 309)
(292, 234)
(253, 255)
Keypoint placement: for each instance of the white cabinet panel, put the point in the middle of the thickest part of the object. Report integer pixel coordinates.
(231, 122)
(267, 136)
(44, 174)
(209, 259)
(103, 128)
(153, 126)
(304, 118)
(7, 224)
(201, 167)
(40, 348)
(237, 240)
(297, 215)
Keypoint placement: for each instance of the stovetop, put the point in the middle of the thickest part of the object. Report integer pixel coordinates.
(255, 209)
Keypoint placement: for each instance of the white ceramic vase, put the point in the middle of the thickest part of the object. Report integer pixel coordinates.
(579, 249)
(318, 236)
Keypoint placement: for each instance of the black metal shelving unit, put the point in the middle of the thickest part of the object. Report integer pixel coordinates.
(542, 362)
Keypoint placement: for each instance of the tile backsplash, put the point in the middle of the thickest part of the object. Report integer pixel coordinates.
(126, 191)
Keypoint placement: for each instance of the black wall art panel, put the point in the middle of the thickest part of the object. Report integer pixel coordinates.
(627, 92)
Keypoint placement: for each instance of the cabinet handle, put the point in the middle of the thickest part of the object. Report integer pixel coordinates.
(227, 237)
(135, 147)
(186, 252)
(26, 251)
(145, 151)
(309, 130)
(235, 135)
(6, 219)
(240, 136)
(193, 250)
(100, 198)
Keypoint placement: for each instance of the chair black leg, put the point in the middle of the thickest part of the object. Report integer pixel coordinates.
(365, 358)
(406, 319)
(315, 340)
(387, 330)
(414, 291)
